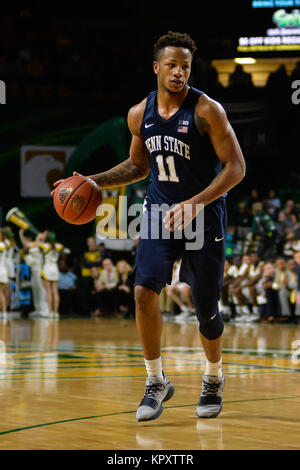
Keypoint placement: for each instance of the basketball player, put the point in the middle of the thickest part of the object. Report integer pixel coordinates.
(182, 137)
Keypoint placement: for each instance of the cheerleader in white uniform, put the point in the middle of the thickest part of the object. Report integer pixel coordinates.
(34, 259)
(3, 277)
(11, 248)
(50, 272)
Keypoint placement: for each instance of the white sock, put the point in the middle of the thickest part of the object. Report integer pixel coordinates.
(184, 308)
(214, 368)
(227, 309)
(154, 367)
(245, 310)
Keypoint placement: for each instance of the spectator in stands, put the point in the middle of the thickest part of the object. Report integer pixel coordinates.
(91, 293)
(243, 221)
(3, 278)
(180, 293)
(295, 74)
(270, 309)
(230, 270)
(67, 287)
(240, 77)
(206, 76)
(277, 86)
(295, 224)
(230, 242)
(291, 243)
(249, 286)
(282, 222)
(281, 282)
(236, 289)
(165, 303)
(292, 283)
(104, 286)
(93, 257)
(297, 271)
(290, 207)
(240, 84)
(124, 291)
(264, 231)
(274, 203)
(251, 200)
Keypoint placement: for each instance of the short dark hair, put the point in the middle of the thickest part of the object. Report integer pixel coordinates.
(176, 40)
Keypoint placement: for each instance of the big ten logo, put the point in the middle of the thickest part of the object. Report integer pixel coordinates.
(2, 92)
(41, 167)
(296, 94)
(295, 346)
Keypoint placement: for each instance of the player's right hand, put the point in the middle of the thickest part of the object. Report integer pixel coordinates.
(57, 183)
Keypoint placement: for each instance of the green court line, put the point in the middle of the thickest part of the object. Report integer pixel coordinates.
(42, 372)
(111, 366)
(134, 411)
(174, 349)
(183, 361)
(60, 355)
(198, 374)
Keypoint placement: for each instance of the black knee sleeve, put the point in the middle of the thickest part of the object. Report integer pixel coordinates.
(211, 327)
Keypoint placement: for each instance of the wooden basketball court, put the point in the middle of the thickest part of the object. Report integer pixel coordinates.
(75, 384)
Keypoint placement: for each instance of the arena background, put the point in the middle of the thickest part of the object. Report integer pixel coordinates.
(68, 71)
(73, 379)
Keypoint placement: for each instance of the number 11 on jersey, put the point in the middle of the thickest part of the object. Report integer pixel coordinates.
(162, 175)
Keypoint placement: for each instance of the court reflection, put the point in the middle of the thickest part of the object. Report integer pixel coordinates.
(210, 434)
(148, 438)
(38, 333)
(28, 352)
(207, 435)
(272, 346)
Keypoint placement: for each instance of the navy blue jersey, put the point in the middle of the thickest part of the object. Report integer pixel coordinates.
(182, 162)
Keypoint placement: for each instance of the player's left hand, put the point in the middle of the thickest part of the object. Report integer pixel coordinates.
(181, 215)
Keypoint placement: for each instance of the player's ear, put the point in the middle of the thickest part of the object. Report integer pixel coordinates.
(155, 67)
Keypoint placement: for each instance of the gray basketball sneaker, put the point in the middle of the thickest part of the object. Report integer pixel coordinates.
(210, 403)
(157, 391)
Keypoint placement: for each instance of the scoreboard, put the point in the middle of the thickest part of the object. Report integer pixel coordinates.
(279, 21)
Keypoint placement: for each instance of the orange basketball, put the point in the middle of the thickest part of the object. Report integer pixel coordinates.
(76, 200)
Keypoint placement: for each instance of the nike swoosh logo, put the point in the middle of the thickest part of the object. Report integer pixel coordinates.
(148, 125)
(218, 239)
(213, 316)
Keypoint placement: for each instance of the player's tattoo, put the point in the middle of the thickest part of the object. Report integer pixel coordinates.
(124, 173)
(201, 124)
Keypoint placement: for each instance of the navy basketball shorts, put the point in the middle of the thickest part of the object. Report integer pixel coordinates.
(201, 268)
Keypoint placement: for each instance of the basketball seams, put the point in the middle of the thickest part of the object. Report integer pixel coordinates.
(71, 195)
(87, 204)
(89, 194)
